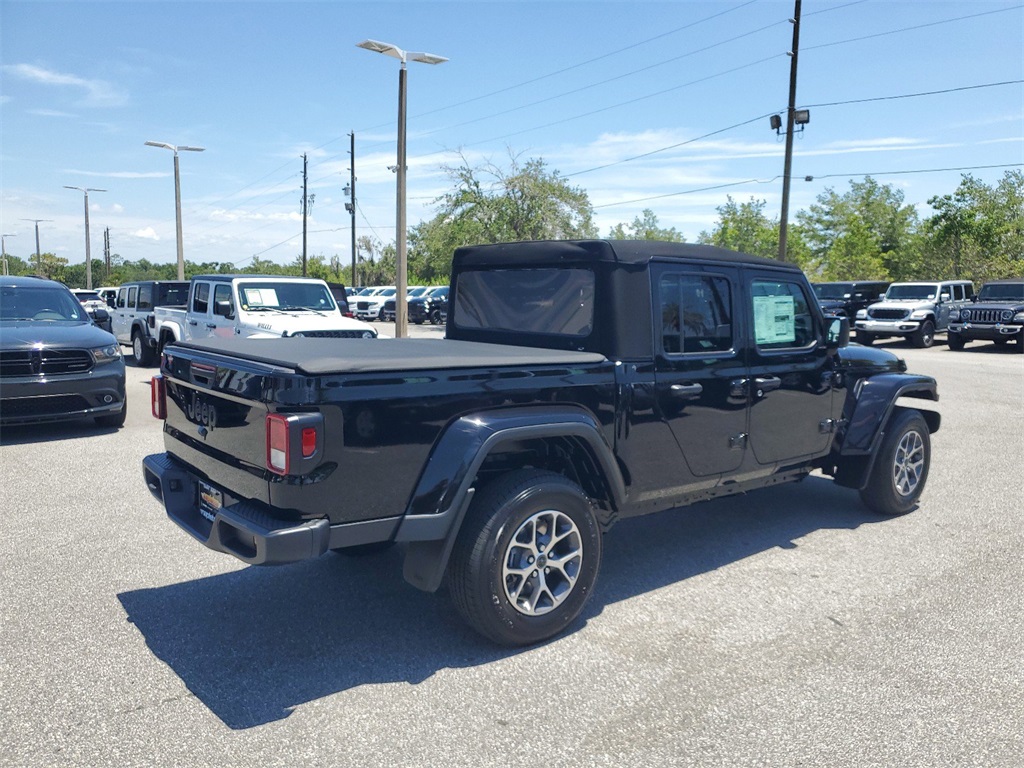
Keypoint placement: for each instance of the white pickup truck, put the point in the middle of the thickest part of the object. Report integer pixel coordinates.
(256, 306)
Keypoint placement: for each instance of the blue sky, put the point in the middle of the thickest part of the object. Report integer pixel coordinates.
(586, 86)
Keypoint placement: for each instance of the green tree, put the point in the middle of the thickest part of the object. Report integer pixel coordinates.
(491, 204)
(746, 228)
(977, 232)
(645, 227)
(889, 224)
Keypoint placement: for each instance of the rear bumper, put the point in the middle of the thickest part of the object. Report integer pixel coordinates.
(246, 529)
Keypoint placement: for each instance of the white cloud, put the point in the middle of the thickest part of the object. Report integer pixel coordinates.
(98, 93)
(51, 113)
(147, 234)
(119, 174)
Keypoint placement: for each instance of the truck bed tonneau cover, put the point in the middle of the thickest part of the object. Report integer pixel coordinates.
(315, 357)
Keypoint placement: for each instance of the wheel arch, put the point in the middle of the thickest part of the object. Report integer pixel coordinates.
(565, 440)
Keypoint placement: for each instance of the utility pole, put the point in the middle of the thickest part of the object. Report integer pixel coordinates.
(305, 205)
(39, 255)
(88, 254)
(106, 254)
(351, 205)
(790, 122)
(3, 249)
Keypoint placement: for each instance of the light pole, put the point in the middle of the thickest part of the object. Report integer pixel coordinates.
(3, 248)
(88, 255)
(401, 308)
(39, 255)
(177, 195)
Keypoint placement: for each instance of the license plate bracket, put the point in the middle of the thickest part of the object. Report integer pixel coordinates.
(210, 501)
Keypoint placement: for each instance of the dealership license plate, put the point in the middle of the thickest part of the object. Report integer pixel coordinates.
(210, 501)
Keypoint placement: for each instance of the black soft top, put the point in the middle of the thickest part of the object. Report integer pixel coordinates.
(318, 357)
(616, 251)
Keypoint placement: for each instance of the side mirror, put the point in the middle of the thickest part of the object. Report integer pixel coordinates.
(110, 301)
(943, 297)
(100, 316)
(837, 332)
(223, 308)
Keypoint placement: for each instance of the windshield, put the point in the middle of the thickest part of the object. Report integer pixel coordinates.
(45, 302)
(912, 291)
(1002, 292)
(832, 290)
(267, 294)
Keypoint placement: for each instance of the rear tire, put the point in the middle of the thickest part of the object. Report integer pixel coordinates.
(141, 351)
(526, 559)
(900, 470)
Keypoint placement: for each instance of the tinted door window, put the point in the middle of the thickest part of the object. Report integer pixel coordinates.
(122, 297)
(145, 297)
(782, 316)
(696, 314)
(132, 294)
(201, 300)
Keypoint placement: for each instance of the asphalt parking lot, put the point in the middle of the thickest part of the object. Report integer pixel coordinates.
(788, 627)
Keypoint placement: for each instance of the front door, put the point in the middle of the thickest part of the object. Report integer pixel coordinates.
(700, 367)
(791, 371)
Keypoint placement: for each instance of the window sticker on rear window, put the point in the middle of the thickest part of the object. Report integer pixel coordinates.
(774, 319)
(260, 297)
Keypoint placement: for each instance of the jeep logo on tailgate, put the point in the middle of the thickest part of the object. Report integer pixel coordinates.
(200, 411)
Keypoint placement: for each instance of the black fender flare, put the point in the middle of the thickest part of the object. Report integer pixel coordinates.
(443, 493)
(868, 411)
(140, 327)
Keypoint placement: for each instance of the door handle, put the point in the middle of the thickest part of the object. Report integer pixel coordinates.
(686, 390)
(765, 384)
(211, 325)
(193, 322)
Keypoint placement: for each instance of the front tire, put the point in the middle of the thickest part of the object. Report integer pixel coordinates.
(924, 336)
(527, 557)
(435, 317)
(867, 339)
(955, 341)
(900, 470)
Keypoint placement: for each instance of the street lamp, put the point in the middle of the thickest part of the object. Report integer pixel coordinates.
(401, 309)
(88, 256)
(3, 247)
(177, 195)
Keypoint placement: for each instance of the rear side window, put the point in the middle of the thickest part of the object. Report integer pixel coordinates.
(131, 296)
(544, 301)
(782, 316)
(696, 314)
(172, 295)
(145, 297)
(201, 300)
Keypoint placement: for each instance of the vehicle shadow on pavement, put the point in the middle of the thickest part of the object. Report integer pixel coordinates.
(48, 433)
(255, 643)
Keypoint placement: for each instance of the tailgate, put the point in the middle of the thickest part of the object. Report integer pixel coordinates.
(216, 420)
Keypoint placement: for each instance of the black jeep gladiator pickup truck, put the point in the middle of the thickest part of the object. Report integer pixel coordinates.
(578, 383)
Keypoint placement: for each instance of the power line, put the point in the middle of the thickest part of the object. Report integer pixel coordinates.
(919, 170)
(913, 95)
(688, 192)
(909, 29)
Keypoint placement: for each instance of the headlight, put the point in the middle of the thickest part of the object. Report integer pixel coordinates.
(369, 334)
(298, 335)
(106, 354)
(862, 314)
(919, 314)
(954, 314)
(1007, 315)
(1019, 317)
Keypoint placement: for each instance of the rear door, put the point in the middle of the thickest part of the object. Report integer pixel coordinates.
(199, 317)
(120, 320)
(699, 366)
(791, 371)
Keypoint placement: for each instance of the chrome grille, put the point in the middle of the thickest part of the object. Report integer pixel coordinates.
(44, 362)
(888, 314)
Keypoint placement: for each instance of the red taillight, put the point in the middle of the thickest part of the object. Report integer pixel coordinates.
(158, 396)
(277, 443)
(308, 442)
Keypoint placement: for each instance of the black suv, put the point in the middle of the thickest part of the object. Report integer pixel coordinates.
(430, 307)
(997, 315)
(55, 363)
(845, 298)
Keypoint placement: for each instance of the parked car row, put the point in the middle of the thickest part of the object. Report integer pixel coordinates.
(918, 311)
(425, 303)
